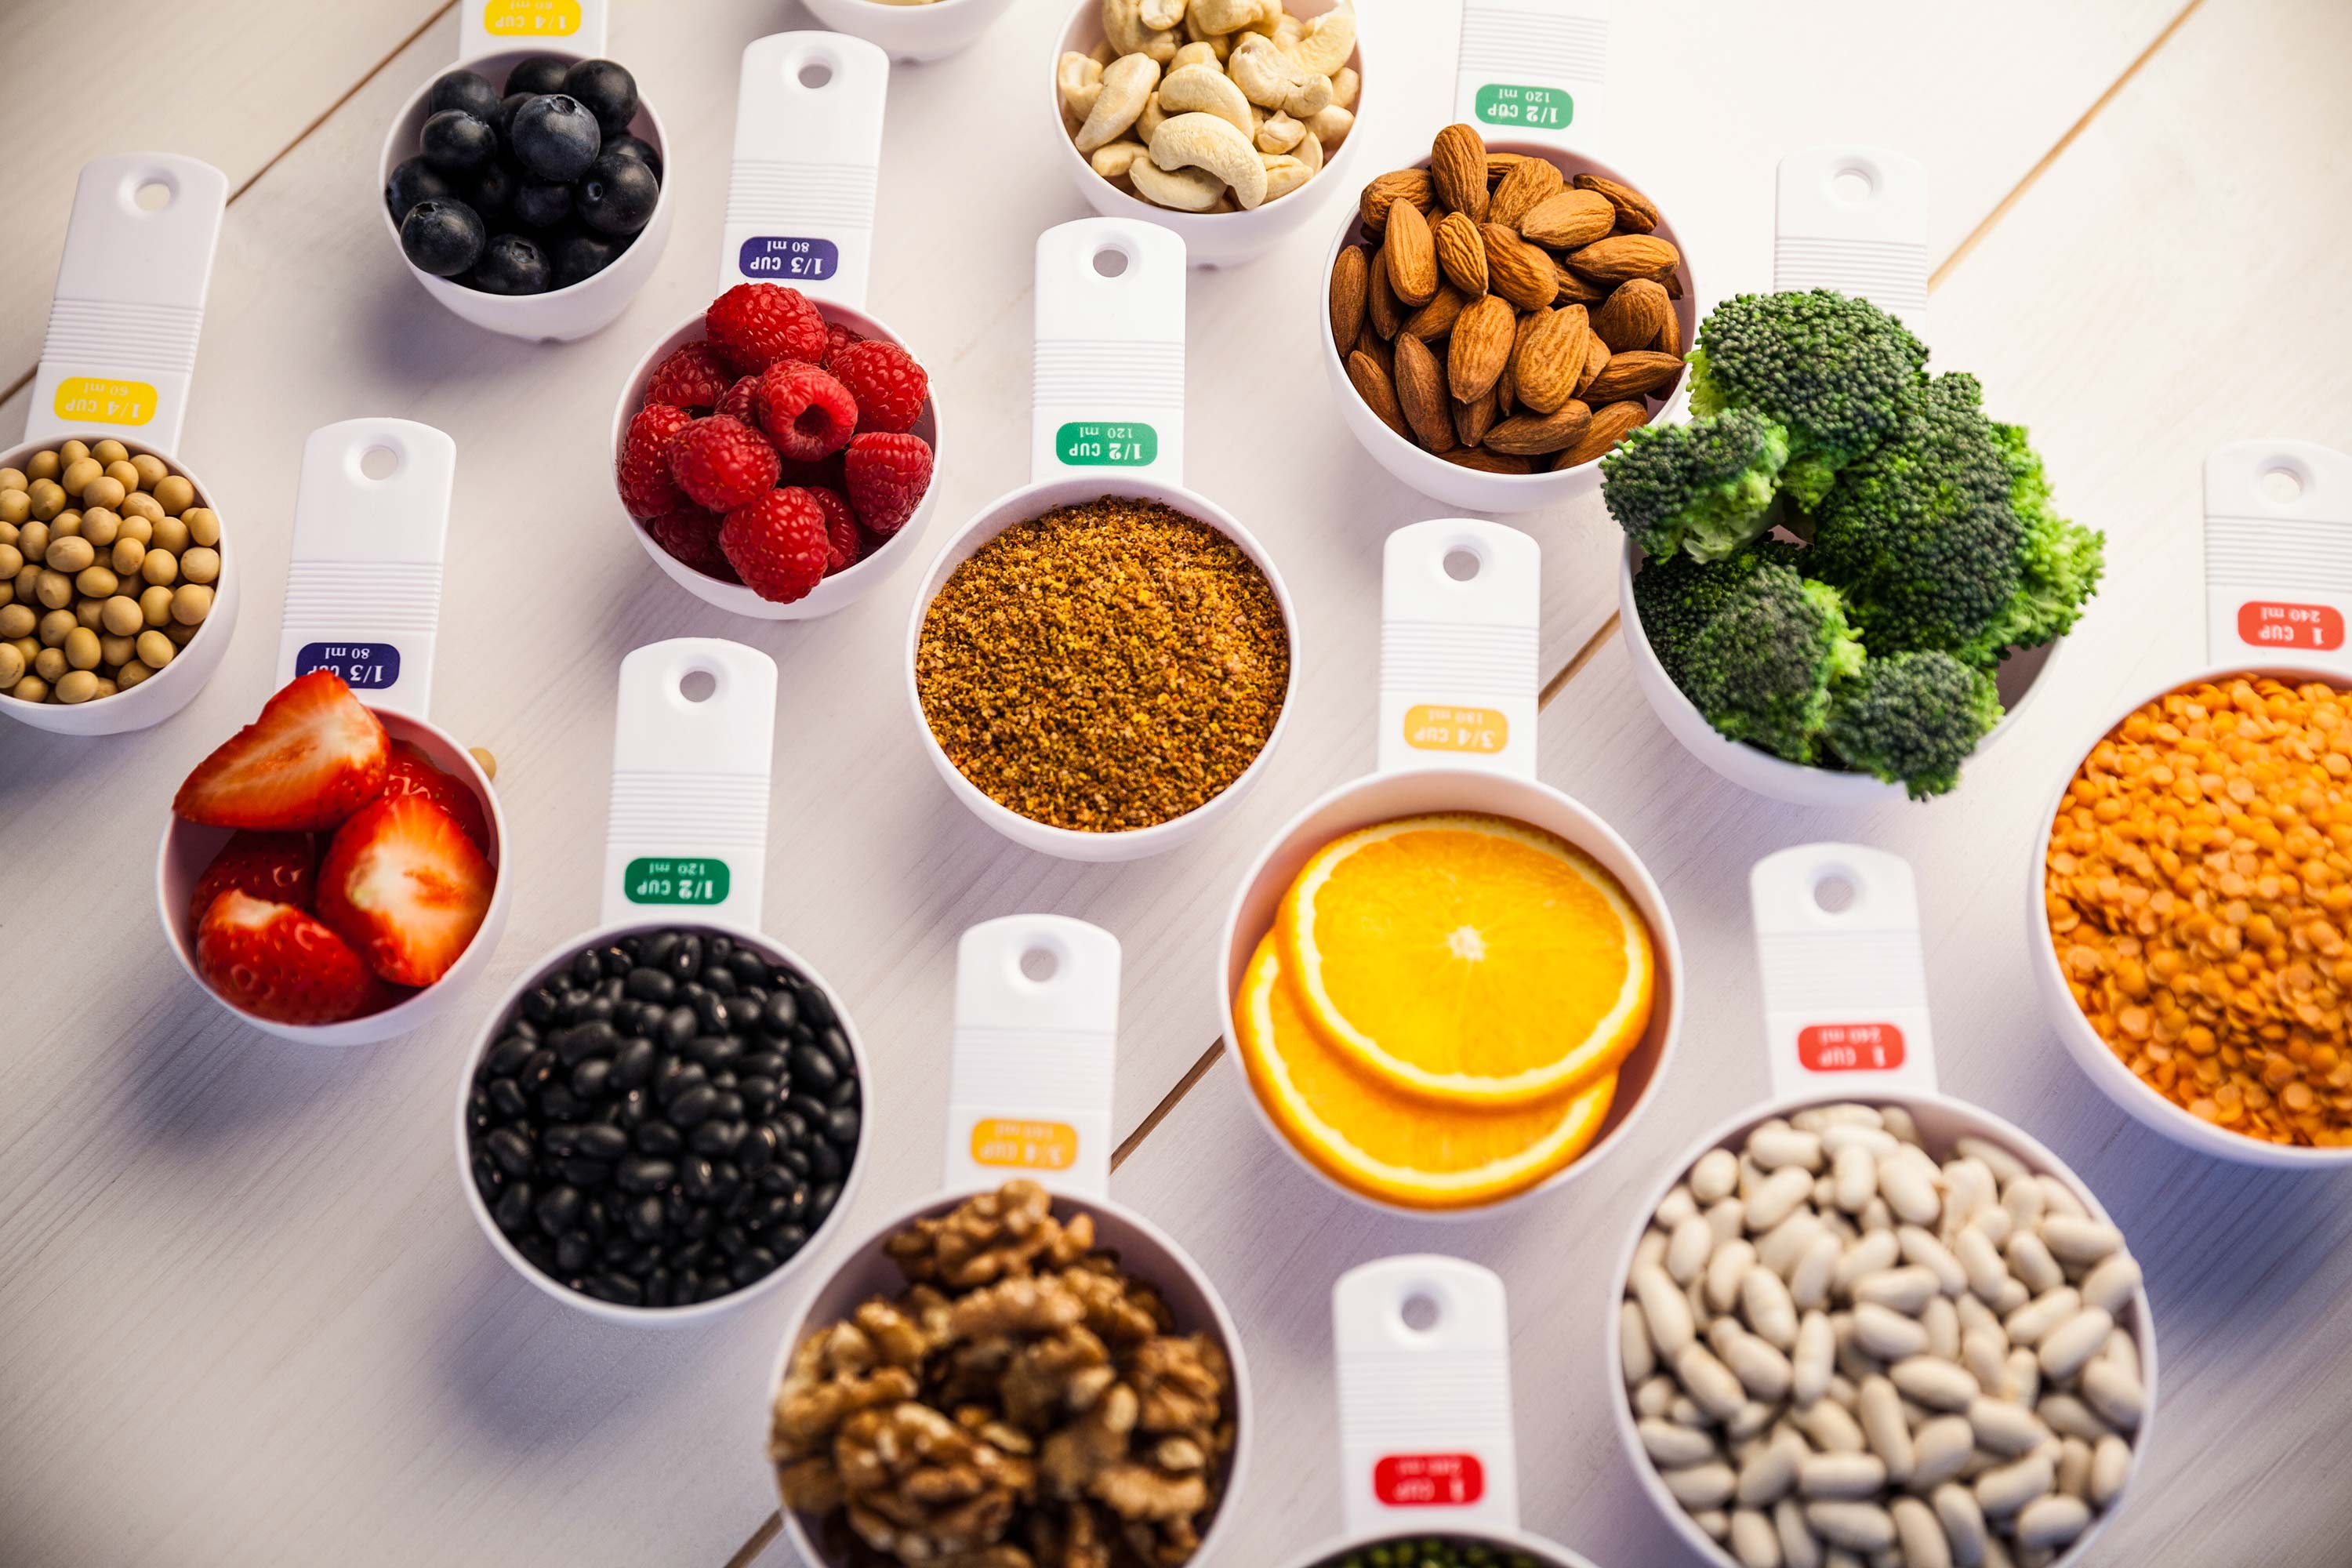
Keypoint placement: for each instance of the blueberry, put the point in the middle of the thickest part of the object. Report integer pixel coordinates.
(510, 265)
(617, 196)
(503, 120)
(490, 191)
(543, 204)
(454, 141)
(556, 137)
(542, 74)
(414, 181)
(442, 237)
(609, 92)
(643, 151)
(581, 255)
(468, 90)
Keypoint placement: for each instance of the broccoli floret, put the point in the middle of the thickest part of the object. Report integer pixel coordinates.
(1705, 486)
(1836, 373)
(2060, 562)
(1676, 596)
(1912, 719)
(1761, 668)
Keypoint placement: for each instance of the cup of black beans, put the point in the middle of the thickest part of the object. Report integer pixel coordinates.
(661, 1120)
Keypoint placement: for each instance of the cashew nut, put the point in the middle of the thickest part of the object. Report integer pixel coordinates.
(1309, 152)
(1221, 42)
(1125, 86)
(1162, 14)
(1148, 123)
(1215, 17)
(1266, 75)
(1113, 160)
(1104, 53)
(1310, 100)
(1285, 174)
(1332, 126)
(1345, 83)
(1269, 18)
(1195, 55)
(1280, 134)
(1207, 142)
(1328, 40)
(1185, 190)
(1079, 77)
(1289, 30)
(1208, 89)
(1123, 25)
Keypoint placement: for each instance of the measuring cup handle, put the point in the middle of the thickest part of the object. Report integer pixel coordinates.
(808, 156)
(1845, 989)
(2278, 563)
(1532, 70)
(1855, 219)
(363, 589)
(686, 831)
(495, 26)
(130, 300)
(1423, 1345)
(1036, 1031)
(1107, 379)
(1458, 653)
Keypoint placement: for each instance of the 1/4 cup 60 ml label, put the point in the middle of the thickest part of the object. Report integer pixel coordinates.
(1543, 108)
(364, 667)
(1087, 446)
(650, 880)
(102, 400)
(789, 258)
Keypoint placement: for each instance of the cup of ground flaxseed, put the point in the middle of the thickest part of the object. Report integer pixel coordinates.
(1100, 662)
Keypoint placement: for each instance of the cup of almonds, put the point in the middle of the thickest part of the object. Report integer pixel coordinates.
(1500, 316)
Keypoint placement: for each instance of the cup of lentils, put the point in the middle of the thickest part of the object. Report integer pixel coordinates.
(662, 1121)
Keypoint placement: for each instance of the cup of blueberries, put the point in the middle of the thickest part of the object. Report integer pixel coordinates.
(525, 192)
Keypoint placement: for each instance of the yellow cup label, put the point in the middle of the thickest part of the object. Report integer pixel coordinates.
(1431, 727)
(97, 400)
(1012, 1145)
(531, 18)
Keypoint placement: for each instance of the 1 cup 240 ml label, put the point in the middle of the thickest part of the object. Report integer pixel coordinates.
(1006, 1143)
(647, 880)
(364, 666)
(1543, 108)
(1428, 1481)
(785, 256)
(2319, 628)
(102, 400)
(1089, 445)
(1849, 1047)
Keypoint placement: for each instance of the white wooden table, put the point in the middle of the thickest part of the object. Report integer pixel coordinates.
(244, 1317)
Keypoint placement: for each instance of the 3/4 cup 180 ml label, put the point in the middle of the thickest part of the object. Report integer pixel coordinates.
(1849, 1047)
(363, 666)
(786, 257)
(1437, 727)
(530, 18)
(1010, 1144)
(1428, 1481)
(1089, 445)
(101, 400)
(647, 880)
(2319, 628)
(1544, 107)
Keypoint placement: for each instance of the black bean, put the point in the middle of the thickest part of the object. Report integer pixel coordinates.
(613, 1287)
(694, 1177)
(660, 1138)
(511, 1150)
(779, 1177)
(719, 1136)
(689, 1287)
(651, 985)
(557, 1099)
(756, 1264)
(536, 1069)
(506, 1055)
(507, 1100)
(582, 1172)
(844, 1093)
(701, 1223)
(759, 1095)
(808, 1108)
(559, 1210)
(826, 1163)
(794, 1126)
(762, 1064)
(601, 1141)
(747, 966)
(656, 953)
(686, 1077)
(524, 1027)
(779, 1012)
(480, 1115)
(572, 1004)
(536, 1248)
(539, 1005)
(512, 1210)
(685, 959)
(658, 1286)
(787, 1240)
(822, 1198)
(816, 1007)
(644, 1173)
(712, 1010)
(487, 1174)
(642, 1017)
(561, 1138)
(814, 1069)
(730, 1240)
(590, 1078)
(586, 967)
(718, 982)
(632, 1063)
(837, 1045)
(694, 1105)
(573, 1251)
(596, 1218)
(730, 1104)
(644, 1218)
(714, 1051)
(622, 954)
(841, 1128)
(629, 1113)
(600, 1007)
(713, 1287)
(615, 987)
(723, 1082)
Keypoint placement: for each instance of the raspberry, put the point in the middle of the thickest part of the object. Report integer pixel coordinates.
(806, 412)
(888, 384)
(721, 463)
(778, 544)
(742, 401)
(756, 324)
(843, 543)
(835, 335)
(692, 536)
(888, 476)
(643, 473)
(693, 377)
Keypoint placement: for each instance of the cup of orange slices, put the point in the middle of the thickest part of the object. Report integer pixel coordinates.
(1447, 985)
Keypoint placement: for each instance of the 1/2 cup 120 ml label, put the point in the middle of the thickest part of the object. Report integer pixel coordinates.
(101, 400)
(1542, 108)
(1428, 1481)
(1009, 1144)
(786, 257)
(1437, 727)
(648, 880)
(1849, 1047)
(530, 18)
(1089, 445)
(2318, 628)
(363, 666)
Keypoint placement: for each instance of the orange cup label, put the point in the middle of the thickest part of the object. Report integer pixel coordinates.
(102, 400)
(2319, 628)
(1436, 727)
(1011, 1145)
(1849, 1047)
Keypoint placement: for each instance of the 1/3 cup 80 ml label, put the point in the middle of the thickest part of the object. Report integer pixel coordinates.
(102, 400)
(1008, 1143)
(1542, 108)
(787, 256)
(2318, 628)
(530, 18)
(1439, 727)
(1428, 1481)
(1849, 1047)
(648, 880)
(1084, 445)
(363, 666)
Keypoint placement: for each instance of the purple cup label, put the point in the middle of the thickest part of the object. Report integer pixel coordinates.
(789, 258)
(364, 666)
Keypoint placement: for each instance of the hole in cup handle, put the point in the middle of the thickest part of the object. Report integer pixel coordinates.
(1036, 1034)
(2278, 554)
(808, 153)
(565, 26)
(1844, 977)
(1855, 218)
(1460, 607)
(1518, 84)
(1108, 366)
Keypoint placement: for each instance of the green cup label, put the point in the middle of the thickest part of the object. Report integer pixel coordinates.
(1543, 108)
(1089, 445)
(651, 881)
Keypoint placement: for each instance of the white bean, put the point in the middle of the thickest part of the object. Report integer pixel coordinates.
(2121, 1348)
(1877, 1250)
(2070, 1416)
(1921, 1248)
(1687, 1248)
(1684, 1412)
(2031, 1261)
(1875, 1217)
(2068, 1348)
(1753, 1543)
(2031, 1323)
(1932, 1384)
(1886, 1333)
(1651, 1250)
(1711, 1384)
(1715, 1521)
(1836, 1139)
(2081, 1242)
(1940, 1450)
(1853, 1177)
(1897, 1120)
(1749, 1419)
(1857, 1526)
(1995, 1223)
(2004, 1428)
(1971, 1185)
(1762, 1369)
(1902, 1289)
(2022, 1197)
(2024, 1377)
(2057, 1198)
(2001, 1491)
(1728, 1218)
(1777, 1197)
(1980, 1260)
(1777, 1148)
(2012, 1296)
(1841, 1475)
(1716, 1176)
(2073, 1467)
(1942, 1321)
(1800, 1547)
(1654, 1397)
(1677, 1206)
(1674, 1448)
(1976, 1314)
(1922, 1536)
(1964, 1524)
(2004, 1165)
(1769, 1473)
(1909, 1188)
(1700, 1486)
(1888, 1433)
(1769, 1308)
(1668, 1313)
(1985, 1352)
(2115, 1392)
(2052, 1520)
(2110, 1464)
(1779, 1247)
(2112, 1282)
(1725, 1269)
(1809, 1282)
(1814, 1358)
(1832, 1428)
(1633, 1346)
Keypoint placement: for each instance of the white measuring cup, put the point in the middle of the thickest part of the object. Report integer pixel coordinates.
(493, 37)
(799, 211)
(1846, 1018)
(117, 365)
(362, 599)
(1531, 81)
(1219, 238)
(685, 843)
(912, 30)
(1423, 1345)
(1106, 419)
(1853, 219)
(1459, 606)
(1029, 1098)
(2278, 591)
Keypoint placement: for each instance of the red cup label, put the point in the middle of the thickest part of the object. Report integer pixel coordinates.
(1428, 1481)
(2265, 624)
(1849, 1047)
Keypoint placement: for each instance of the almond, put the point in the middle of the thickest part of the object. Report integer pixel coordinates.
(1505, 393)
(1525, 184)
(1596, 359)
(1611, 421)
(1575, 290)
(1371, 342)
(1348, 293)
(1461, 253)
(1551, 362)
(1481, 347)
(1636, 214)
(1411, 255)
(1624, 255)
(1631, 318)
(1532, 435)
(1371, 382)
(1457, 169)
(1420, 394)
(1501, 163)
(1637, 374)
(1670, 335)
(1671, 280)
(1436, 318)
(1488, 462)
(1381, 307)
(1472, 419)
(1384, 190)
(1517, 270)
(1567, 219)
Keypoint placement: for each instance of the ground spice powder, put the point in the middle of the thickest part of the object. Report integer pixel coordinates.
(1104, 667)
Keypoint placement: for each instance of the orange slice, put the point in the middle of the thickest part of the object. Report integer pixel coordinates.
(1386, 1144)
(1467, 958)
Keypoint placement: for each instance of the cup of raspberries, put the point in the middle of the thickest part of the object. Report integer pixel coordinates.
(772, 452)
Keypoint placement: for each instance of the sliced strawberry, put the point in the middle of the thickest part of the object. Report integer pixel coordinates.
(414, 772)
(276, 867)
(313, 757)
(276, 963)
(404, 886)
